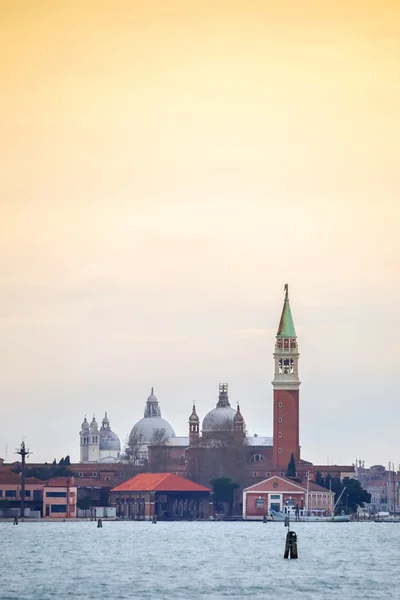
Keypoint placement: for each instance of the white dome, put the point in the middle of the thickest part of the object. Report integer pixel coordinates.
(219, 419)
(150, 429)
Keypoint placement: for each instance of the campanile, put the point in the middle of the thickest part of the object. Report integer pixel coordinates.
(286, 386)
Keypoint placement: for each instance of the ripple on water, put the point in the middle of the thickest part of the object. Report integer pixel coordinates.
(125, 560)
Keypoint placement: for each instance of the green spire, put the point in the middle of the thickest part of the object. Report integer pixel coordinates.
(286, 326)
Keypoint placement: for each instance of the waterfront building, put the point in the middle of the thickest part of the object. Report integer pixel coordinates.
(10, 494)
(60, 498)
(161, 495)
(383, 485)
(283, 494)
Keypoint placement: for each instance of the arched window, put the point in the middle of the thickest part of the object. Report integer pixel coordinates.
(256, 458)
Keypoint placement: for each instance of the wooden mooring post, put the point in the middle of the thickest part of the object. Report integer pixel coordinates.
(291, 542)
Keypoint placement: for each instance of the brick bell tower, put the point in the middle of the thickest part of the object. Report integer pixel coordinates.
(286, 386)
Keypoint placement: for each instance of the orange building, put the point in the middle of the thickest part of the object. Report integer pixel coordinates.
(59, 498)
(163, 495)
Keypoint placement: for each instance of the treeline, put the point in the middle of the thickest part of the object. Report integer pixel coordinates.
(49, 471)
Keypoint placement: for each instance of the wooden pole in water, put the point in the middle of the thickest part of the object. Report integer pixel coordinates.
(291, 542)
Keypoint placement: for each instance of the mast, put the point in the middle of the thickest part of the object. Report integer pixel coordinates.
(23, 452)
(308, 491)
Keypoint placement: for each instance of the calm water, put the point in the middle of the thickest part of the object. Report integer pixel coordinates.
(198, 560)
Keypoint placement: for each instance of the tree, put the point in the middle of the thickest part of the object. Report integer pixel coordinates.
(159, 436)
(61, 462)
(132, 447)
(67, 461)
(84, 504)
(159, 451)
(223, 489)
(291, 468)
(353, 496)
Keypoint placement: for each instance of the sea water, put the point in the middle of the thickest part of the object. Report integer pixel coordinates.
(191, 560)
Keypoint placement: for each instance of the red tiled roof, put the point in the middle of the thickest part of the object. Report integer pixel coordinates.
(33, 481)
(93, 483)
(159, 482)
(8, 477)
(301, 484)
(61, 482)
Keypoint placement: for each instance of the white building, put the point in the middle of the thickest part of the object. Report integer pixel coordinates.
(96, 445)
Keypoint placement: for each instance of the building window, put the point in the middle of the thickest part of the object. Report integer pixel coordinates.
(56, 494)
(94, 474)
(58, 508)
(27, 493)
(282, 474)
(11, 493)
(280, 419)
(106, 479)
(255, 474)
(80, 474)
(1, 493)
(259, 503)
(275, 496)
(279, 433)
(280, 450)
(280, 404)
(268, 475)
(256, 458)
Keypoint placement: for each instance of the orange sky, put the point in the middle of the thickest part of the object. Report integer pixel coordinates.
(165, 169)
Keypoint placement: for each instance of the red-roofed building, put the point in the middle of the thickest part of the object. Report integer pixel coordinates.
(286, 495)
(164, 495)
(10, 494)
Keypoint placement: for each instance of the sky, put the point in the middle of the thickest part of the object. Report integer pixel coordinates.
(165, 168)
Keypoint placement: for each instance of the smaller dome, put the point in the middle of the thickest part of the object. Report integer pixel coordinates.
(85, 425)
(238, 418)
(93, 425)
(123, 456)
(194, 416)
(109, 440)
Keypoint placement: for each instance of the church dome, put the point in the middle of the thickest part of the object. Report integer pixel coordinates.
(108, 440)
(221, 417)
(85, 425)
(152, 427)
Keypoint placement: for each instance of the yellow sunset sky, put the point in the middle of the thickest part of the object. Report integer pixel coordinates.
(165, 168)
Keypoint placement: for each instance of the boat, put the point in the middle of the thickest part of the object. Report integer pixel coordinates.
(310, 515)
(309, 518)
